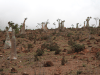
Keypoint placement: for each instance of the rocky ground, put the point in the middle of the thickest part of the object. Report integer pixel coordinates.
(84, 62)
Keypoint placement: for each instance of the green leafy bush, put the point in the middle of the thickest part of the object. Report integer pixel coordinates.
(36, 57)
(69, 34)
(39, 52)
(78, 47)
(29, 46)
(53, 47)
(57, 51)
(79, 72)
(71, 42)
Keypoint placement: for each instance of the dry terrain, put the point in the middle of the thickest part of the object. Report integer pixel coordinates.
(36, 52)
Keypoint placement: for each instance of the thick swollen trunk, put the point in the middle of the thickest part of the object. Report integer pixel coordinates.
(13, 48)
(7, 42)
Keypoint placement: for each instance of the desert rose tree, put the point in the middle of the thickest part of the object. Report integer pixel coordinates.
(88, 19)
(13, 54)
(23, 27)
(7, 42)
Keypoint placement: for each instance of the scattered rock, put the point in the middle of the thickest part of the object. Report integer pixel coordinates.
(23, 49)
(3, 65)
(1, 69)
(86, 50)
(64, 50)
(88, 43)
(1, 55)
(90, 46)
(83, 53)
(1, 43)
(18, 52)
(75, 57)
(95, 42)
(13, 70)
(48, 64)
(24, 73)
(98, 40)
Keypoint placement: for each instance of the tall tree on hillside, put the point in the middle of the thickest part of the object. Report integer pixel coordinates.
(96, 19)
(88, 19)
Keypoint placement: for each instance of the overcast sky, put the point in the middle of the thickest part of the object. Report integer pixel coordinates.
(37, 11)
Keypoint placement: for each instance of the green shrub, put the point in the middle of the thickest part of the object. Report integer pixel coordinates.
(54, 38)
(84, 65)
(78, 47)
(79, 72)
(39, 52)
(69, 34)
(44, 37)
(97, 54)
(57, 51)
(63, 61)
(53, 47)
(30, 37)
(29, 46)
(36, 57)
(71, 42)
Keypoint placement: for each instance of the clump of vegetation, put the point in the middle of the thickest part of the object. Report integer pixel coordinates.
(69, 34)
(71, 42)
(97, 54)
(39, 52)
(54, 33)
(44, 37)
(54, 38)
(30, 37)
(35, 39)
(84, 65)
(79, 72)
(48, 64)
(29, 46)
(57, 51)
(11, 24)
(77, 47)
(36, 57)
(53, 47)
(63, 61)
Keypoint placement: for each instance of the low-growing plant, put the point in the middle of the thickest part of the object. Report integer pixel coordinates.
(53, 47)
(30, 37)
(97, 54)
(84, 65)
(54, 38)
(69, 34)
(77, 47)
(39, 52)
(36, 57)
(63, 61)
(71, 42)
(57, 51)
(44, 37)
(79, 72)
(29, 46)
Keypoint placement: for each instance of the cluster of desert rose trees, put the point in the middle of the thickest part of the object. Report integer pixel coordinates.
(12, 43)
(61, 24)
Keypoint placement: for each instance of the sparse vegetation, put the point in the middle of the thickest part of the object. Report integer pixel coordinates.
(52, 47)
(39, 52)
(78, 47)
